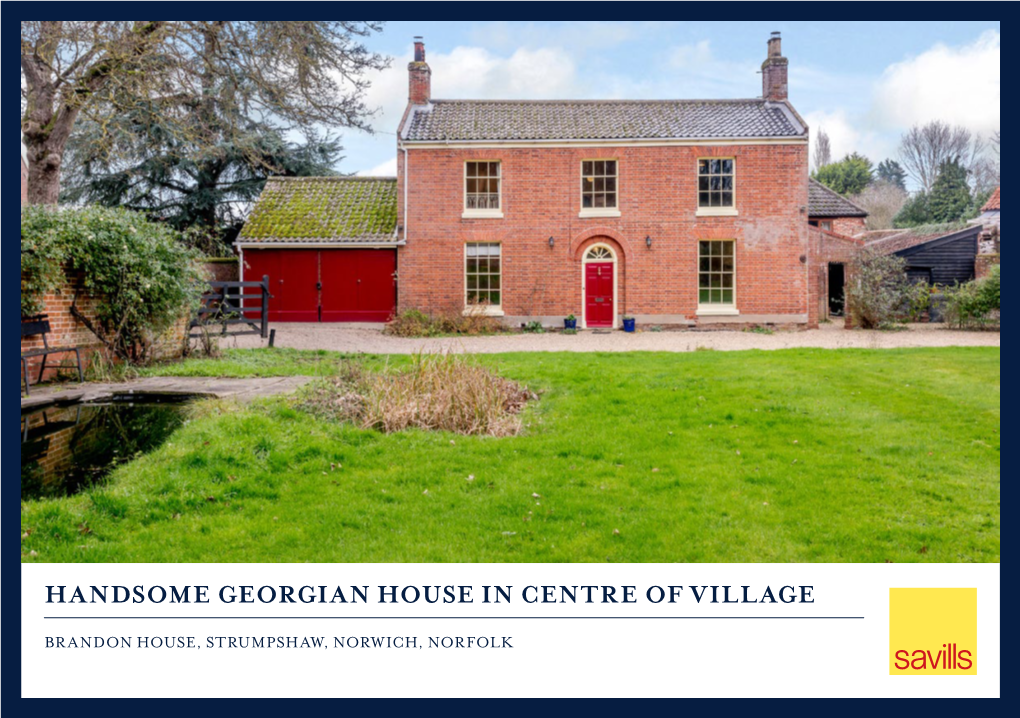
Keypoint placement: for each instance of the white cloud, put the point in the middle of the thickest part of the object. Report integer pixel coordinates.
(386, 169)
(474, 73)
(847, 135)
(959, 85)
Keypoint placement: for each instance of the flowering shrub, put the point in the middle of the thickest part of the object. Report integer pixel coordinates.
(143, 277)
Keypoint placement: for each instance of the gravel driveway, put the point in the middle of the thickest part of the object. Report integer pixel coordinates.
(369, 339)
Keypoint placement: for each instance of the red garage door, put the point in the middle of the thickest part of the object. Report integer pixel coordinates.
(326, 285)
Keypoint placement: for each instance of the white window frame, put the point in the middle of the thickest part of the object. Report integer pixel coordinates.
(600, 211)
(714, 211)
(718, 310)
(483, 213)
(585, 261)
(489, 310)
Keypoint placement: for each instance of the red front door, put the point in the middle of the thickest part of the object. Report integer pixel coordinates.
(598, 292)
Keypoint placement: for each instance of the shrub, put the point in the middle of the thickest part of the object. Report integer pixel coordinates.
(142, 276)
(877, 290)
(438, 392)
(973, 305)
(414, 323)
(918, 297)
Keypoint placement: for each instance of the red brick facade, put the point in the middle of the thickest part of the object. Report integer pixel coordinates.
(845, 226)
(655, 230)
(657, 201)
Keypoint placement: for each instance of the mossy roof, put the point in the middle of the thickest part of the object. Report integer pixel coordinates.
(345, 210)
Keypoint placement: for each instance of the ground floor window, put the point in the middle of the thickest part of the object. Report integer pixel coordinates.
(484, 275)
(716, 274)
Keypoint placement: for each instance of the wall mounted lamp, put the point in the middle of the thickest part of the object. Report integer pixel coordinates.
(648, 241)
(552, 242)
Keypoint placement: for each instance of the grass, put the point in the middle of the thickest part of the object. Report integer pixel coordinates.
(796, 456)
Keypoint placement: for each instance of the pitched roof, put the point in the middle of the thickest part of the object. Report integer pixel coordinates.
(824, 202)
(993, 202)
(892, 241)
(573, 120)
(345, 210)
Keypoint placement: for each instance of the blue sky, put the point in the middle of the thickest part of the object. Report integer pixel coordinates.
(864, 83)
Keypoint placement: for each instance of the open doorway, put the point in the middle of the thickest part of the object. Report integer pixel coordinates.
(837, 290)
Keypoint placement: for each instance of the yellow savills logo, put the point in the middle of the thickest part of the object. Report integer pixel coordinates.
(932, 631)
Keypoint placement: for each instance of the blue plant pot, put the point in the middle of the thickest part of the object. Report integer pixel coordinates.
(630, 325)
(570, 324)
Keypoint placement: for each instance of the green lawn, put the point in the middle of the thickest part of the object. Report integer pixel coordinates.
(811, 455)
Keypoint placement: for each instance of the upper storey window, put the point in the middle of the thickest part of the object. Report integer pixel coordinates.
(483, 190)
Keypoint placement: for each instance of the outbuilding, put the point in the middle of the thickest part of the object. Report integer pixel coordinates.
(328, 246)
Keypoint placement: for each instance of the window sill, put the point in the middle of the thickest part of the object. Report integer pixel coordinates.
(484, 312)
(717, 212)
(590, 213)
(483, 214)
(710, 311)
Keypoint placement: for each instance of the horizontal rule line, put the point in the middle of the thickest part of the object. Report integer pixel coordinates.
(454, 618)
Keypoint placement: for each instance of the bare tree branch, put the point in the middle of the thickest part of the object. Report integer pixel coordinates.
(924, 149)
(186, 76)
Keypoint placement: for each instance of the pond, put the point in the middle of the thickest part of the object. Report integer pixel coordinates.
(68, 449)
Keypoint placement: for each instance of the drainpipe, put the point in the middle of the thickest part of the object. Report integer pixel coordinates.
(407, 181)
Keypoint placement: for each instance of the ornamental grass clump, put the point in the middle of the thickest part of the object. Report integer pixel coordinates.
(437, 392)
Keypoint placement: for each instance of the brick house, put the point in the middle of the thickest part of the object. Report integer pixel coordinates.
(675, 212)
(832, 212)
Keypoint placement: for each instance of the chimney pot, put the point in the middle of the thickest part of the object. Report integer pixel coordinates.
(775, 71)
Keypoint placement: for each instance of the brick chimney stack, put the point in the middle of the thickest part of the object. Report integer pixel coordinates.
(775, 71)
(419, 76)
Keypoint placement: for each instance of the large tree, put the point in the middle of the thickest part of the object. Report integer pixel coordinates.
(892, 173)
(925, 149)
(950, 196)
(202, 190)
(850, 176)
(294, 76)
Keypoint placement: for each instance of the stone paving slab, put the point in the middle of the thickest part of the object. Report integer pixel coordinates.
(240, 389)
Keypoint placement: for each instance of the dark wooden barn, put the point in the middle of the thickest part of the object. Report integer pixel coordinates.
(945, 260)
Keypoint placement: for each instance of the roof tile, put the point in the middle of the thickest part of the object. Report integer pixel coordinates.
(993, 202)
(479, 120)
(824, 202)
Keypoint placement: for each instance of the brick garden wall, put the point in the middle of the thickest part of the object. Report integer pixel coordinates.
(657, 198)
(67, 331)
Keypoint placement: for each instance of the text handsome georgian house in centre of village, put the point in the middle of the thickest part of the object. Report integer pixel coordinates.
(673, 212)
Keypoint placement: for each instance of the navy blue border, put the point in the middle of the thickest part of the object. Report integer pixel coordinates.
(10, 620)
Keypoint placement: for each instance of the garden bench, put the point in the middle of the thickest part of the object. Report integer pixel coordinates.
(40, 326)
